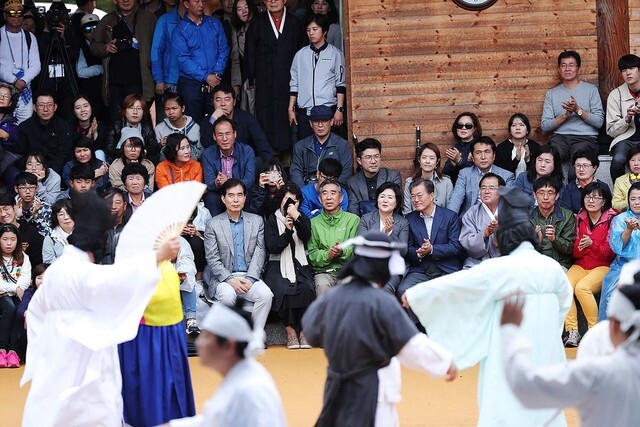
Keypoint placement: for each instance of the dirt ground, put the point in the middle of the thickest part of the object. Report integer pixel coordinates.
(300, 376)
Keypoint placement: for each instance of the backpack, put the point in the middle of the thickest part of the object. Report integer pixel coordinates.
(28, 38)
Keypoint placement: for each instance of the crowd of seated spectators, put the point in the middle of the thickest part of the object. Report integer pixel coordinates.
(244, 118)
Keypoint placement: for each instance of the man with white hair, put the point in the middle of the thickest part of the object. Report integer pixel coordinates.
(247, 396)
(604, 389)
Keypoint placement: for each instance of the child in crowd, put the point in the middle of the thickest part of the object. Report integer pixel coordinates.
(21, 322)
(15, 275)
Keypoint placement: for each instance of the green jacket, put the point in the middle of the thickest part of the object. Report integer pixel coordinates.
(561, 248)
(326, 230)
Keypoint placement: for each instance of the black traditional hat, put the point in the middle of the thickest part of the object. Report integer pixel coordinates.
(92, 219)
(513, 207)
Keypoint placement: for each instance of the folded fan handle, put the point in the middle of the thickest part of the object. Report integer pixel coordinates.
(174, 230)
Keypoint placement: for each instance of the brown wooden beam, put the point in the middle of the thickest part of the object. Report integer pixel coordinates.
(612, 22)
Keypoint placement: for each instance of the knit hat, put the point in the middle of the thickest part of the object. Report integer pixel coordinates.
(13, 4)
(129, 132)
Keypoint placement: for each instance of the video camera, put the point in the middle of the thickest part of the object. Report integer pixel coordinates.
(57, 15)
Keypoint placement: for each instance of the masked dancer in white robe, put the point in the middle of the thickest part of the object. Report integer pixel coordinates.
(247, 396)
(604, 389)
(77, 318)
(461, 312)
(361, 329)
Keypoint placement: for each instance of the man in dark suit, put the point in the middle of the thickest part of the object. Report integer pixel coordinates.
(434, 246)
(227, 159)
(362, 186)
(234, 248)
(247, 126)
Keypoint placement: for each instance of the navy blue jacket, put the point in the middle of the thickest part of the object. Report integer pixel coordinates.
(244, 165)
(304, 163)
(249, 132)
(444, 238)
(571, 196)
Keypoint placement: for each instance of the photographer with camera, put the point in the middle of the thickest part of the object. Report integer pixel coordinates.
(123, 41)
(19, 58)
(58, 57)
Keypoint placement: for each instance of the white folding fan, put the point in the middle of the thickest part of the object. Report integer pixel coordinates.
(161, 217)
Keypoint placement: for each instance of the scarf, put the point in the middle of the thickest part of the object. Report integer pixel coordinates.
(59, 235)
(287, 268)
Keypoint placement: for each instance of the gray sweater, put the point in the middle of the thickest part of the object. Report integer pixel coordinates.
(587, 97)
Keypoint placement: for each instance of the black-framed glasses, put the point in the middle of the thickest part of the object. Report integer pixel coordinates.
(90, 28)
(464, 125)
(14, 13)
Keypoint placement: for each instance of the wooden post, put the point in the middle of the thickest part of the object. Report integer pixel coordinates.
(612, 23)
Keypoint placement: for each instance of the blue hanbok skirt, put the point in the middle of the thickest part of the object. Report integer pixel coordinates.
(156, 380)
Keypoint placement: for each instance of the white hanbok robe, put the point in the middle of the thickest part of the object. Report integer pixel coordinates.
(604, 389)
(247, 397)
(74, 323)
(461, 311)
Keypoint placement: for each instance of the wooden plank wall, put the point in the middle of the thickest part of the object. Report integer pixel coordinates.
(422, 62)
(634, 26)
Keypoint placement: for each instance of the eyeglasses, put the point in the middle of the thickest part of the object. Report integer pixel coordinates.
(542, 193)
(3, 96)
(27, 187)
(371, 157)
(90, 28)
(491, 188)
(464, 126)
(569, 66)
(592, 198)
(583, 166)
(134, 108)
(15, 13)
(48, 105)
(418, 196)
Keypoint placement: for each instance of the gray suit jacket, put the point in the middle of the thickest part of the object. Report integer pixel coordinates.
(400, 232)
(218, 246)
(357, 187)
(465, 192)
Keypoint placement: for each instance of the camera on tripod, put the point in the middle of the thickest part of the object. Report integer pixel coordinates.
(57, 16)
(59, 66)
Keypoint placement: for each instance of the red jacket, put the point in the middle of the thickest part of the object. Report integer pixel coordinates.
(599, 254)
